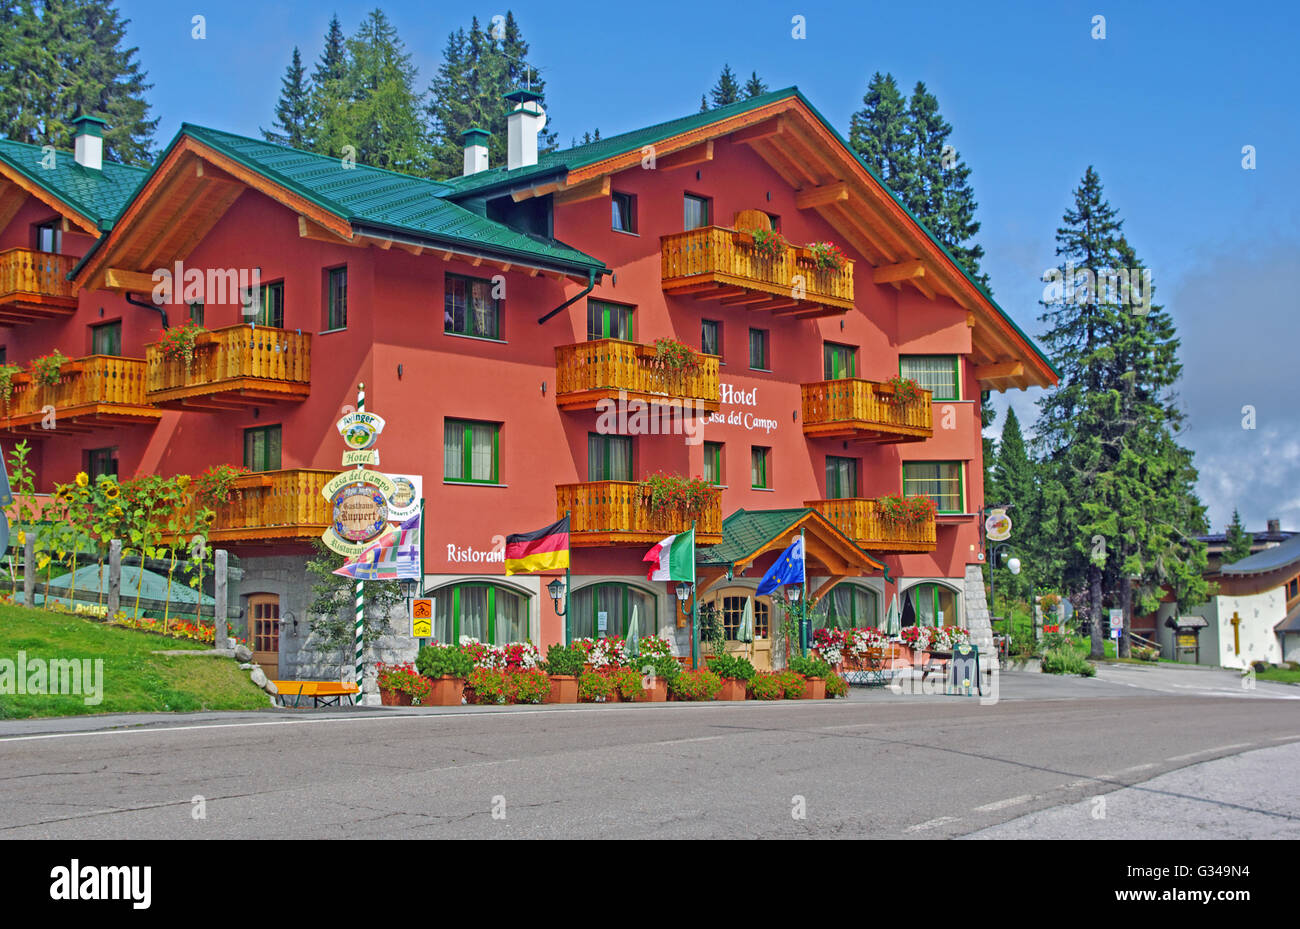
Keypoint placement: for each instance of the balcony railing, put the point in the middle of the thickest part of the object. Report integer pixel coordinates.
(34, 286)
(275, 505)
(91, 392)
(860, 519)
(858, 409)
(618, 512)
(721, 262)
(589, 372)
(233, 367)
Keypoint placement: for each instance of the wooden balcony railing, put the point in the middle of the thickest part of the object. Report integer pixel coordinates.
(91, 392)
(34, 286)
(589, 372)
(859, 519)
(233, 367)
(617, 512)
(858, 409)
(275, 505)
(719, 262)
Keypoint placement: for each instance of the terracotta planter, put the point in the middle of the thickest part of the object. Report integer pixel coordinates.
(564, 689)
(657, 693)
(732, 689)
(394, 697)
(814, 689)
(447, 691)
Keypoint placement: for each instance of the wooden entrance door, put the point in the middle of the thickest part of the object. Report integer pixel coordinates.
(733, 603)
(264, 632)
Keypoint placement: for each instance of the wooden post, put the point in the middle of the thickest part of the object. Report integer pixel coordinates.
(29, 567)
(219, 594)
(114, 577)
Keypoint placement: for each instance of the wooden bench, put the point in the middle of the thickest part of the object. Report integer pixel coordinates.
(331, 692)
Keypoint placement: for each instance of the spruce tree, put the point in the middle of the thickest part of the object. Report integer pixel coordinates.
(327, 83)
(878, 132)
(754, 86)
(726, 90)
(704, 103)
(293, 117)
(1239, 541)
(1013, 481)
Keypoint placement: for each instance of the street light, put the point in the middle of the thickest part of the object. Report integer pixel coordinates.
(684, 594)
(1013, 565)
(794, 597)
(556, 589)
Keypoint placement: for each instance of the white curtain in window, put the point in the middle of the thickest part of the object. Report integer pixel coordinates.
(866, 608)
(483, 322)
(648, 622)
(511, 618)
(620, 459)
(581, 613)
(609, 600)
(936, 375)
(443, 616)
(480, 451)
(453, 451)
(474, 613)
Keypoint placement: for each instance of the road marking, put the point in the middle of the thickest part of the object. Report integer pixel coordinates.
(1003, 804)
(942, 820)
(703, 738)
(1283, 738)
(1137, 767)
(1210, 751)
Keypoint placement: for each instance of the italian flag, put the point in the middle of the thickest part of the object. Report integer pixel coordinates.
(673, 559)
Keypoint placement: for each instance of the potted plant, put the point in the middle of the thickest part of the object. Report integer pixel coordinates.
(448, 667)
(594, 687)
(768, 244)
(527, 685)
(674, 356)
(179, 343)
(671, 494)
(901, 390)
(563, 665)
(625, 684)
(792, 684)
(826, 256)
(47, 369)
(696, 685)
(7, 373)
(906, 511)
(402, 685)
(736, 674)
(814, 672)
(765, 685)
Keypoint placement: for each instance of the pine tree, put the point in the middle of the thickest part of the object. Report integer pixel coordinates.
(878, 132)
(1013, 481)
(63, 58)
(293, 111)
(382, 116)
(327, 83)
(726, 90)
(1239, 541)
(754, 86)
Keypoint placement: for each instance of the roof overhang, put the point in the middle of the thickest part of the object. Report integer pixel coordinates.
(16, 186)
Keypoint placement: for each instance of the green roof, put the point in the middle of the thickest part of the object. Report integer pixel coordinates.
(98, 195)
(745, 532)
(373, 199)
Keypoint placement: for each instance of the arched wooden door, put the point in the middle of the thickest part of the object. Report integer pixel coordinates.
(264, 632)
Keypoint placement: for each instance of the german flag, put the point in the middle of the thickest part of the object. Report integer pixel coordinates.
(540, 550)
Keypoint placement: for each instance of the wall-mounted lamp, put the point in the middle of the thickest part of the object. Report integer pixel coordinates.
(399, 372)
(543, 388)
(613, 278)
(841, 325)
(769, 196)
(794, 416)
(256, 412)
(697, 175)
(101, 311)
(288, 617)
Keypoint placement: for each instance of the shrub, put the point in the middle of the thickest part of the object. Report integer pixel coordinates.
(732, 667)
(562, 659)
(811, 667)
(436, 661)
(836, 686)
(594, 686)
(665, 668)
(527, 685)
(791, 683)
(769, 244)
(1066, 661)
(827, 256)
(696, 685)
(906, 390)
(625, 682)
(1145, 653)
(486, 685)
(765, 685)
(403, 678)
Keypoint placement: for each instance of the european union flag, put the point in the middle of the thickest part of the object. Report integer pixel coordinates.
(788, 569)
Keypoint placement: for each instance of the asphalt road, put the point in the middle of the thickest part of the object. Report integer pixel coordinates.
(878, 765)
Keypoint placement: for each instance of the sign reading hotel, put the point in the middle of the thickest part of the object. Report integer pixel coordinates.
(360, 500)
(750, 419)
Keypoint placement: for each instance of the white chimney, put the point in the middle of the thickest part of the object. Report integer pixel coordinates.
(476, 150)
(525, 121)
(89, 144)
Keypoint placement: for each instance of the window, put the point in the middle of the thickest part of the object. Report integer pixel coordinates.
(470, 308)
(935, 373)
(930, 605)
(101, 461)
(608, 321)
(471, 452)
(270, 307)
(1293, 588)
(196, 313)
(49, 237)
(696, 212)
(711, 337)
(623, 212)
(713, 463)
(841, 477)
(609, 457)
(758, 358)
(941, 481)
(849, 606)
(487, 612)
(106, 339)
(775, 220)
(733, 616)
(262, 448)
(760, 460)
(626, 610)
(336, 298)
(839, 361)
(4, 354)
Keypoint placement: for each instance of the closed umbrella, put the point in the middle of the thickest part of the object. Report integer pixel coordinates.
(746, 633)
(893, 619)
(633, 632)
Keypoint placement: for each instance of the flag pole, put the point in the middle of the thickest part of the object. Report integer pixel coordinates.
(420, 567)
(568, 581)
(695, 608)
(804, 621)
(359, 590)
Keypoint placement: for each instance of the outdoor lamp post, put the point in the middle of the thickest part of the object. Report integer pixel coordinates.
(556, 589)
(794, 596)
(683, 591)
(1013, 565)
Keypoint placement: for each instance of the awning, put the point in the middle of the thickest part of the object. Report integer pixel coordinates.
(1290, 623)
(1191, 621)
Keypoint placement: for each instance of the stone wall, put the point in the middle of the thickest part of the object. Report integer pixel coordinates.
(977, 617)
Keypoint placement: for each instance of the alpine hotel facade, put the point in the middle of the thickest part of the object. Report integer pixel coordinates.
(496, 319)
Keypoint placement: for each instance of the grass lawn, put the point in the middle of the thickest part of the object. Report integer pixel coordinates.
(134, 679)
(1281, 675)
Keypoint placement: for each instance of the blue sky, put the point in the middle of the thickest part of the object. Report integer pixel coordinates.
(1161, 107)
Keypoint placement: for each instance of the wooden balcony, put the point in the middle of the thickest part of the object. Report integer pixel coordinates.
(589, 372)
(95, 392)
(34, 286)
(235, 367)
(859, 519)
(275, 506)
(616, 513)
(716, 263)
(865, 411)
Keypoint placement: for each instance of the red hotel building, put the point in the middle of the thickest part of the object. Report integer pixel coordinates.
(492, 318)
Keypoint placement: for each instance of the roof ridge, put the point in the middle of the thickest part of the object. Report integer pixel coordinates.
(72, 152)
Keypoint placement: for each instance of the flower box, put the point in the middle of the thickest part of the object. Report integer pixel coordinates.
(564, 688)
(814, 689)
(657, 692)
(389, 697)
(732, 689)
(447, 691)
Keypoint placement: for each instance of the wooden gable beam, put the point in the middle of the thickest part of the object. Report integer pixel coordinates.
(779, 163)
(768, 129)
(308, 229)
(121, 279)
(154, 249)
(12, 198)
(696, 154)
(813, 197)
(579, 193)
(537, 190)
(902, 271)
(213, 211)
(999, 370)
(53, 202)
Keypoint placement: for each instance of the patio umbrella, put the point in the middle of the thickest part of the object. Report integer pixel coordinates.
(893, 619)
(746, 632)
(633, 632)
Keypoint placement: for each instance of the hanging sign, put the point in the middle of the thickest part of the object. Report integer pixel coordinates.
(336, 543)
(422, 618)
(360, 430)
(358, 476)
(368, 456)
(997, 527)
(404, 501)
(360, 511)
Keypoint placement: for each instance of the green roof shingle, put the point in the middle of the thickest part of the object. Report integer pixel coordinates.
(745, 532)
(98, 195)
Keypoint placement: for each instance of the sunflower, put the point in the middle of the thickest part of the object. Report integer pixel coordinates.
(22, 537)
(111, 490)
(183, 481)
(45, 559)
(114, 512)
(82, 478)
